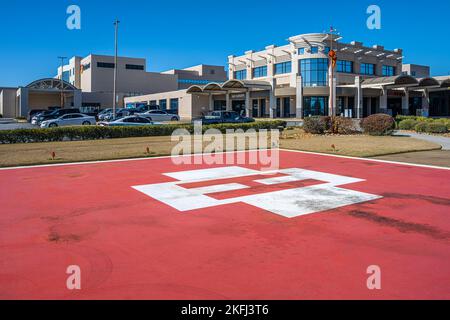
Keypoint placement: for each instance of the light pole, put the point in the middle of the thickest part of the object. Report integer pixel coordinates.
(333, 56)
(61, 82)
(116, 40)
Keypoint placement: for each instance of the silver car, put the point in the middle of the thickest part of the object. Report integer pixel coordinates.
(159, 115)
(128, 121)
(71, 119)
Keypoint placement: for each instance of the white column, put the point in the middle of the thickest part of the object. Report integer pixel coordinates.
(23, 102)
(299, 98)
(384, 101)
(359, 98)
(426, 103)
(405, 103)
(272, 101)
(248, 105)
(211, 102)
(228, 104)
(259, 108)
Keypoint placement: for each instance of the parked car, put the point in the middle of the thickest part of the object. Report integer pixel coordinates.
(145, 108)
(72, 119)
(32, 113)
(40, 115)
(159, 115)
(129, 121)
(120, 113)
(51, 115)
(217, 117)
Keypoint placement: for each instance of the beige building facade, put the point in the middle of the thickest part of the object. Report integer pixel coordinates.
(296, 80)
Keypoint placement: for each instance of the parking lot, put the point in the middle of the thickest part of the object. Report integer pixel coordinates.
(151, 229)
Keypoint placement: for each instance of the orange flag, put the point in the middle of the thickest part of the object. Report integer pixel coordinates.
(333, 56)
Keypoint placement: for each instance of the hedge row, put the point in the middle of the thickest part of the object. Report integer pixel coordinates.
(98, 132)
(421, 124)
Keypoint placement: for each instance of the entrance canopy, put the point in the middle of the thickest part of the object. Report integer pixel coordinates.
(50, 84)
(230, 86)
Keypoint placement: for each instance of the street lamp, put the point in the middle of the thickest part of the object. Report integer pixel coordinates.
(62, 81)
(116, 39)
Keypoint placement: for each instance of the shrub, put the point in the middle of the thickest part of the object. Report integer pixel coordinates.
(316, 125)
(436, 127)
(407, 124)
(343, 125)
(378, 124)
(421, 127)
(97, 132)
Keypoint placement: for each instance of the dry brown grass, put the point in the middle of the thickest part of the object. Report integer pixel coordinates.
(353, 145)
(79, 151)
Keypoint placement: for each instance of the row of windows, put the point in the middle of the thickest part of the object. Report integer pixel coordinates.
(260, 72)
(107, 65)
(314, 72)
(313, 50)
(194, 81)
(110, 65)
(284, 67)
(388, 71)
(321, 65)
(134, 67)
(240, 75)
(367, 69)
(344, 66)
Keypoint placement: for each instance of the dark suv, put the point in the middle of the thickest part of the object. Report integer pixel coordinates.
(217, 117)
(55, 114)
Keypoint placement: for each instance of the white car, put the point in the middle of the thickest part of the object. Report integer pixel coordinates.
(71, 119)
(159, 115)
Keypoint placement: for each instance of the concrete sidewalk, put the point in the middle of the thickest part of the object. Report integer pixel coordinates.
(443, 141)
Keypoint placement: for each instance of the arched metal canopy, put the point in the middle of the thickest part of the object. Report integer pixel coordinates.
(51, 84)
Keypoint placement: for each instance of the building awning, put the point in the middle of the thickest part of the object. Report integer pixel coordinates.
(394, 81)
(231, 86)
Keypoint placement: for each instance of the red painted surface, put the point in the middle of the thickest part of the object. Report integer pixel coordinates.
(131, 246)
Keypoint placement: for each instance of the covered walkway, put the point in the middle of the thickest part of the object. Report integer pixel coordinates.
(244, 90)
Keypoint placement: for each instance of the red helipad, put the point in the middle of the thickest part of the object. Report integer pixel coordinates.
(150, 229)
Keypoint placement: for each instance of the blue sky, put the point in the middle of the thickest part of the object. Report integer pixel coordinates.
(178, 34)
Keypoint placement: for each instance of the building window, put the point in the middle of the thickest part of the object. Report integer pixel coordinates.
(240, 75)
(174, 106)
(163, 104)
(315, 106)
(105, 65)
(260, 72)
(301, 51)
(284, 67)
(134, 67)
(314, 72)
(388, 71)
(152, 103)
(66, 76)
(413, 73)
(194, 81)
(314, 50)
(367, 69)
(344, 66)
(85, 67)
